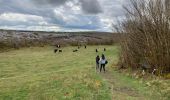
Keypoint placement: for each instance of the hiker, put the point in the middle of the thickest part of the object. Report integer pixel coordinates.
(85, 46)
(55, 50)
(104, 49)
(57, 46)
(96, 50)
(97, 62)
(103, 63)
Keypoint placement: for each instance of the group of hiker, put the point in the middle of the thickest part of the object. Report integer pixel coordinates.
(101, 62)
(57, 48)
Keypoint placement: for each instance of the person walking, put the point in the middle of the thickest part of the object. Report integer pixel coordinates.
(85, 46)
(97, 62)
(103, 63)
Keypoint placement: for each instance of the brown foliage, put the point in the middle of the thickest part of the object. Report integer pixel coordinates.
(146, 39)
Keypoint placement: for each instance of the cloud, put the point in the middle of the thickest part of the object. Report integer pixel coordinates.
(60, 14)
(91, 6)
(49, 2)
(12, 19)
(87, 6)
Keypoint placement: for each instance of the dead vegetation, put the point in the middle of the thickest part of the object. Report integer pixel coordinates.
(146, 39)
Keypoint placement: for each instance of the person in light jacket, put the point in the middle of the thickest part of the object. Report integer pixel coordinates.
(103, 62)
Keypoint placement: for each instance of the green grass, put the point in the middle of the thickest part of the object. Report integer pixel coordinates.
(39, 74)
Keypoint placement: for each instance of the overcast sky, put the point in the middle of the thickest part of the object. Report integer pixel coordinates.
(60, 15)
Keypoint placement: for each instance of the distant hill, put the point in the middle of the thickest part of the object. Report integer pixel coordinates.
(17, 39)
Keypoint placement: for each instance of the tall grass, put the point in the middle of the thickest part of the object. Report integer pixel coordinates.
(146, 39)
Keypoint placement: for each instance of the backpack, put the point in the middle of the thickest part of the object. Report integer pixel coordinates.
(106, 62)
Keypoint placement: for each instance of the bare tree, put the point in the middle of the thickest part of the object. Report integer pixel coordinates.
(146, 35)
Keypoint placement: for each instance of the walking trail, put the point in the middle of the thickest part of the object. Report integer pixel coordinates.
(119, 89)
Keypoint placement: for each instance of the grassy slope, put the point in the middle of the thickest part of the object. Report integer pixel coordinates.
(39, 74)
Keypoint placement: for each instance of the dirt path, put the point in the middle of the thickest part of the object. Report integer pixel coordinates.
(119, 90)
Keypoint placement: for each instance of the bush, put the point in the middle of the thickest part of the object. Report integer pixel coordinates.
(146, 39)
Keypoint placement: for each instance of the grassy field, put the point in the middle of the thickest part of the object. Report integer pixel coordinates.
(39, 74)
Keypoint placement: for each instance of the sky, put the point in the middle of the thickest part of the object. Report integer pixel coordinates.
(60, 15)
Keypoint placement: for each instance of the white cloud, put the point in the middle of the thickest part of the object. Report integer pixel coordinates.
(16, 17)
(60, 15)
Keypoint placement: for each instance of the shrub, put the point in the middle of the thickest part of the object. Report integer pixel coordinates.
(146, 39)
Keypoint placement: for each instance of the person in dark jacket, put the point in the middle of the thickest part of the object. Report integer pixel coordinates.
(97, 62)
(104, 49)
(96, 50)
(85, 46)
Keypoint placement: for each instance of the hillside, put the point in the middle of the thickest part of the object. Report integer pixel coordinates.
(17, 39)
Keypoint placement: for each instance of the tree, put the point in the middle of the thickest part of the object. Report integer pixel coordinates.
(146, 38)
